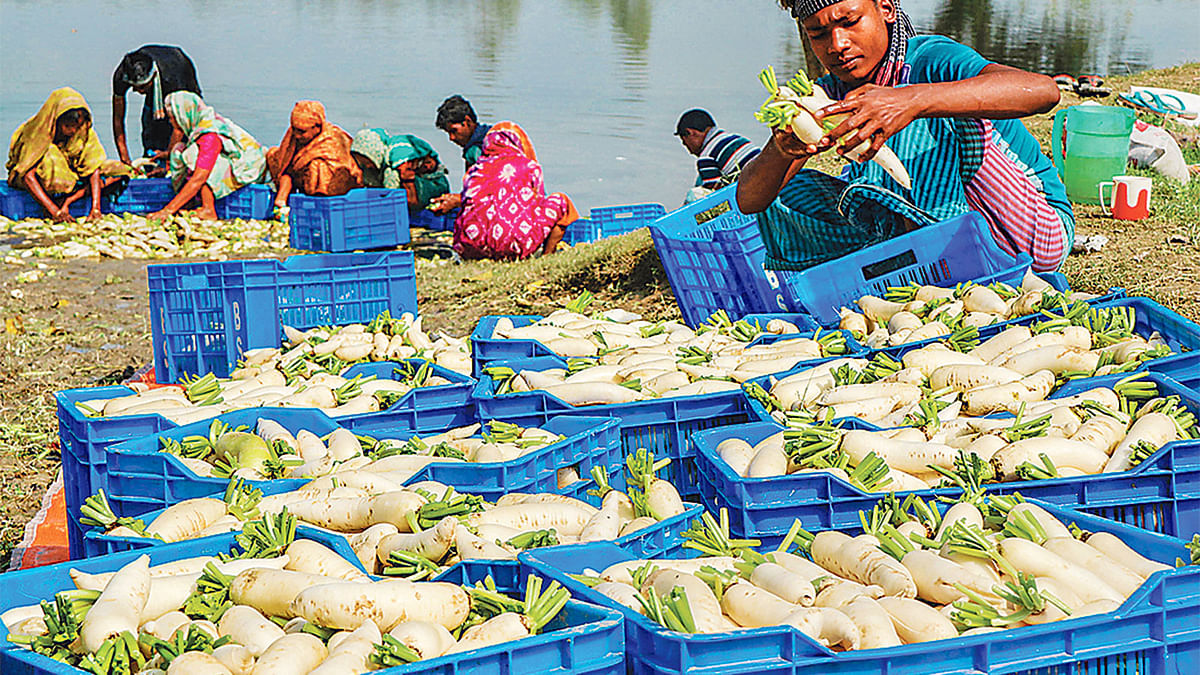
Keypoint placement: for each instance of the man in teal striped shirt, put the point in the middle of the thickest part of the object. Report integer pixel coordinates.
(720, 155)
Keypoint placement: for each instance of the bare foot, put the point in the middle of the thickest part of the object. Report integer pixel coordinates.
(203, 213)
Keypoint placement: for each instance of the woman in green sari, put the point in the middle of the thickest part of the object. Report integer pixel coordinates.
(402, 161)
(215, 158)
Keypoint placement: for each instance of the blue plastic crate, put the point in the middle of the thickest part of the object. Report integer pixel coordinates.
(205, 315)
(250, 202)
(1160, 494)
(712, 254)
(432, 221)
(85, 441)
(943, 254)
(610, 221)
(663, 426)
(17, 204)
(361, 219)
(583, 639)
(143, 196)
(141, 478)
(1156, 631)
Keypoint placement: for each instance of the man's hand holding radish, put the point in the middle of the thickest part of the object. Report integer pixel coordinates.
(875, 114)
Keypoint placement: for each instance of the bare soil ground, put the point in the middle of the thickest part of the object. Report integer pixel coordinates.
(85, 322)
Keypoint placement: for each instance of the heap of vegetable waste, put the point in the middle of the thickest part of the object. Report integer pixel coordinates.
(913, 575)
(416, 530)
(1101, 430)
(135, 236)
(621, 359)
(792, 107)
(296, 383)
(274, 605)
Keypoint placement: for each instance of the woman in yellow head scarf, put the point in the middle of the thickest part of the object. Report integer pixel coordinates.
(55, 150)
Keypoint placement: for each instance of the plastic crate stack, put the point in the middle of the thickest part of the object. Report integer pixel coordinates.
(610, 221)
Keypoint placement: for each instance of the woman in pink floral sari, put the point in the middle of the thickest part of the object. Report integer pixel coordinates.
(506, 213)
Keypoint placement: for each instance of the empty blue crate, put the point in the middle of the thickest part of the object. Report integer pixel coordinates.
(205, 315)
(143, 196)
(1154, 632)
(17, 204)
(610, 221)
(362, 219)
(250, 202)
(712, 254)
(943, 254)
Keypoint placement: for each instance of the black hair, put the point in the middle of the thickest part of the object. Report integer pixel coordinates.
(694, 119)
(453, 111)
(135, 67)
(75, 116)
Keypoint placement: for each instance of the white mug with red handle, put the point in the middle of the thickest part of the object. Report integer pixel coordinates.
(1130, 198)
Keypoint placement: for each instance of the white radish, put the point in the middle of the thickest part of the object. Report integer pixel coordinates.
(347, 606)
(1156, 429)
(236, 658)
(271, 591)
(875, 627)
(431, 544)
(496, 630)
(248, 627)
(350, 653)
(1061, 451)
(1121, 578)
(859, 558)
(185, 519)
(779, 580)
(752, 607)
(308, 556)
(737, 453)
(428, 640)
(119, 607)
(1028, 557)
(916, 621)
(291, 654)
(825, 625)
(1122, 554)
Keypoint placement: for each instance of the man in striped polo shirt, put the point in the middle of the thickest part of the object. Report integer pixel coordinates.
(720, 155)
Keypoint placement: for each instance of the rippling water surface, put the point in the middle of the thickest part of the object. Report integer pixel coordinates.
(597, 83)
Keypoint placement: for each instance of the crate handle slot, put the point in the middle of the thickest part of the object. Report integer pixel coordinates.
(889, 265)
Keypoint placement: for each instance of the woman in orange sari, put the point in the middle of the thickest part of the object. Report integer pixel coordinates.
(313, 158)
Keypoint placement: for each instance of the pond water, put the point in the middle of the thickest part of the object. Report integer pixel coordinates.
(597, 83)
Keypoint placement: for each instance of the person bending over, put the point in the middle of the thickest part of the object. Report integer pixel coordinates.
(56, 155)
(154, 71)
(215, 158)
(951, 116)
(313, 158)
(720, 155)
(402, 161)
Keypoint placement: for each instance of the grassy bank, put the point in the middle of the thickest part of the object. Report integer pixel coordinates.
(85, 322)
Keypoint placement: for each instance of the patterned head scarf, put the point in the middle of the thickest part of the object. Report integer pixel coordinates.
(372, 144)
(891, 70)
(193, 116)
(32, 139)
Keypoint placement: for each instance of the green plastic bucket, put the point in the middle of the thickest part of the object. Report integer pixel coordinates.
(1096, 147)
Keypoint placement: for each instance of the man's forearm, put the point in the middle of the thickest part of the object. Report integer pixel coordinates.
(999, 92)
(762, 177)
(118, 126)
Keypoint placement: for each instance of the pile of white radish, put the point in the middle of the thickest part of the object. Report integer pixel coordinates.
(274, 382)
(668, 363)
(1100, 430)
(304, 609)
(914, 313)
(913, 576)
(415, 530)
(1013, 368)
(383, 339)
(271, 451)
